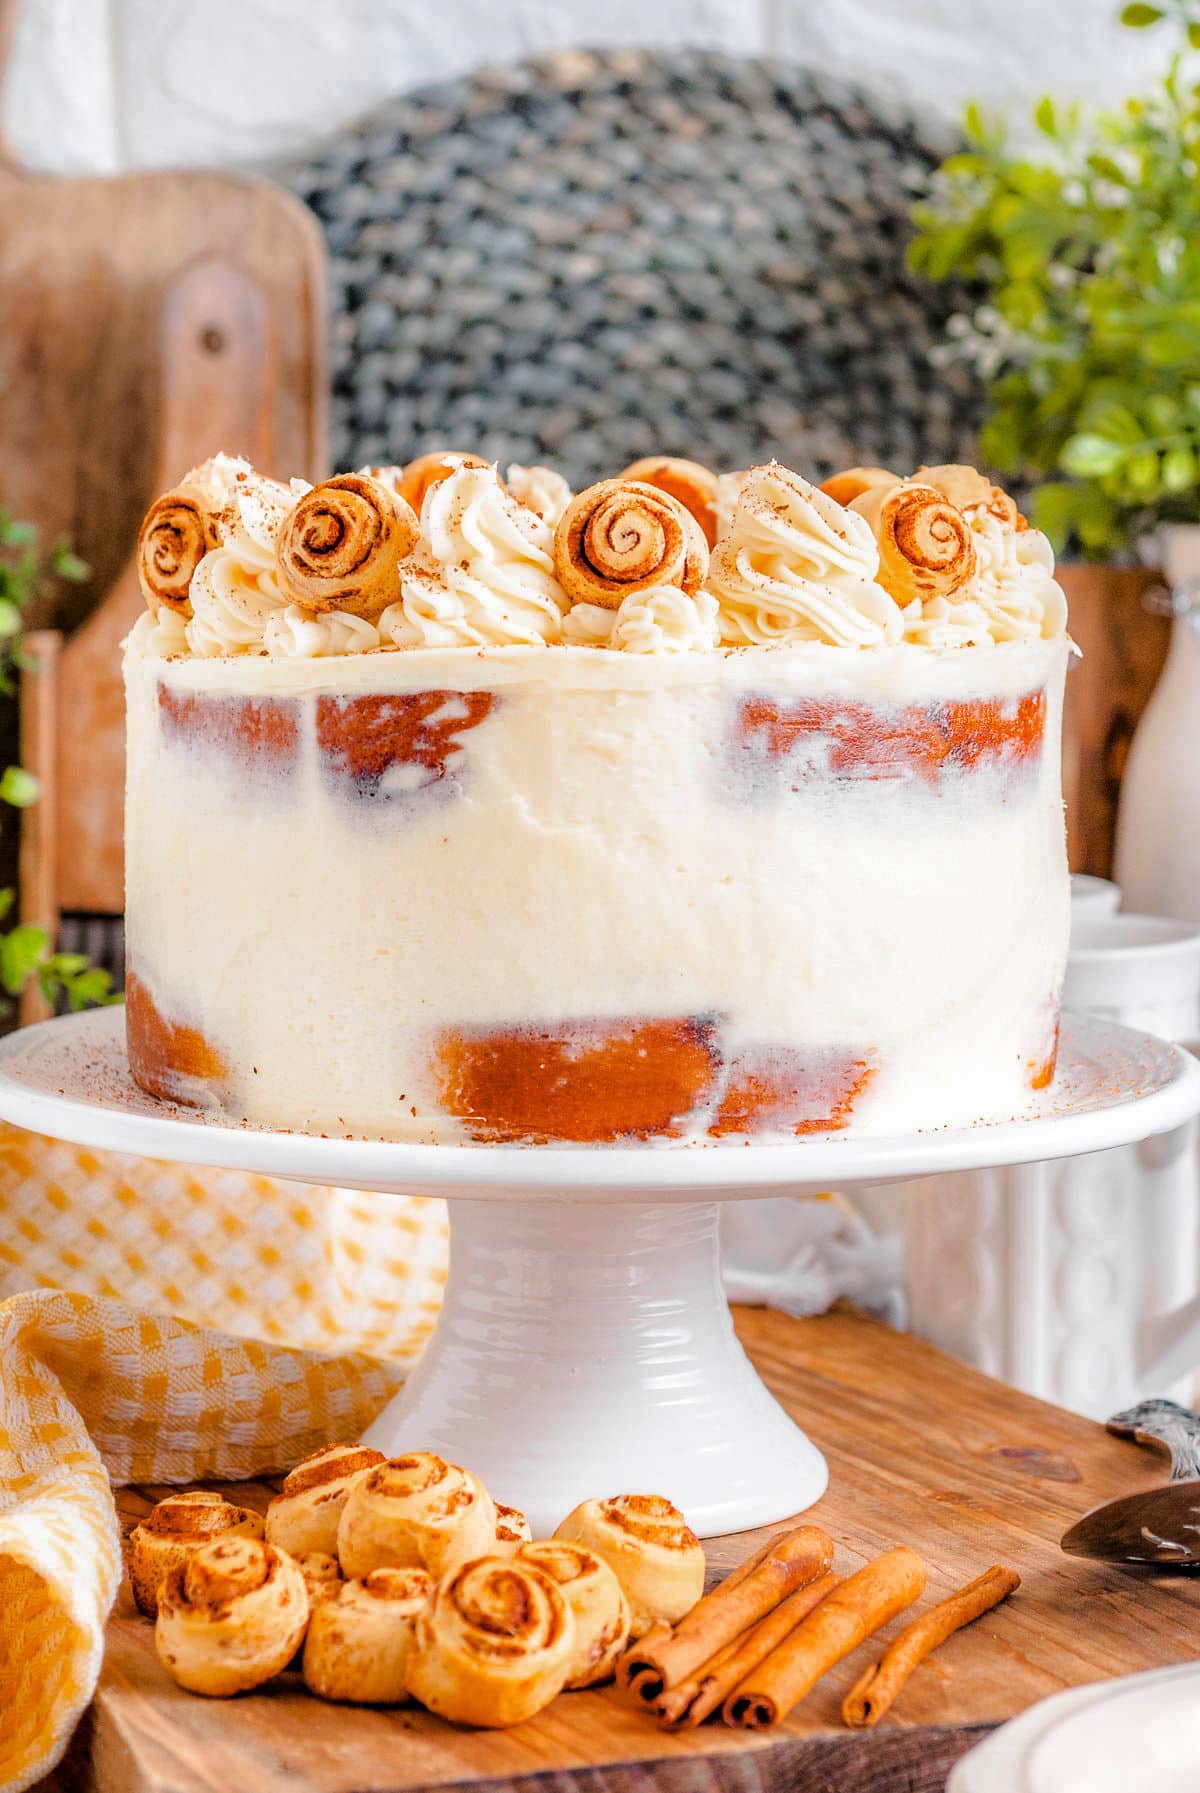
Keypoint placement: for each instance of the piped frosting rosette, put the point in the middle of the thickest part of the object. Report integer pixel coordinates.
(483, 573)
(414, 1512)
(496, 1644)
(541, 490)
(234, 589)
(1011, 596)
(663, 620)
(416, 478)
(796, 566)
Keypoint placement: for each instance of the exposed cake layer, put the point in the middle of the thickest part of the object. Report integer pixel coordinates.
(501, 894)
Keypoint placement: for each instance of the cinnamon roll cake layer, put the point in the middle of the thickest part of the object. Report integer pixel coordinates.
(519, 893)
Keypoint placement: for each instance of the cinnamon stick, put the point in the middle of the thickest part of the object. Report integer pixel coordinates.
(855, 1609)
(878, 1685)
(695, 1699)
(632, 1667)
(790, 1561)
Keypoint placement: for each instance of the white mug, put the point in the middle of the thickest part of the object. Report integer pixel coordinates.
(1093, 896)
(1140, 969)
(1078, 1280)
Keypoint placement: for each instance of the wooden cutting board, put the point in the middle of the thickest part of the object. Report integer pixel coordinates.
(146, 321)
(922, 1451)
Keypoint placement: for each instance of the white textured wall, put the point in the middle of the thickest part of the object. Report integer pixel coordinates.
(110, 84)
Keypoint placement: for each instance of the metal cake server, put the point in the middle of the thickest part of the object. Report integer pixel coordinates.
(1161, 1525)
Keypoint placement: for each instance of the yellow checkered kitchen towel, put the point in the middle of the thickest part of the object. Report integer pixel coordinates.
(162, 1324)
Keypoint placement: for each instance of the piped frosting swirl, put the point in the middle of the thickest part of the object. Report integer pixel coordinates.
(796, 566)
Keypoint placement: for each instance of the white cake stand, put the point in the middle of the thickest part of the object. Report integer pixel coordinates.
(585, 1345)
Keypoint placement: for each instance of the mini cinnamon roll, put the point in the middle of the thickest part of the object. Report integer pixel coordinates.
(173, 1530)
(341, 545)
(177, 532)
(322, 1575)
(304, 1515)
(512, 1530)
(622, 536)
(694, 486)
(359, 1642)
(972, 492)
(429, 470)
(494, 1646)
(651, 1550)
(414, 1512)
(925, 543)
(231, 1617)
(598, 1606)
(845, 487)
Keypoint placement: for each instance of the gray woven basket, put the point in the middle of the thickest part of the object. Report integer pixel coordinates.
(598, 255)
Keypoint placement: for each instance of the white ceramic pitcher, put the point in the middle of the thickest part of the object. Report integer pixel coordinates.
(1077, 1280)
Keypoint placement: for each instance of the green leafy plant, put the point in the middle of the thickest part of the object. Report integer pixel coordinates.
(1088, 331)
(25, 950)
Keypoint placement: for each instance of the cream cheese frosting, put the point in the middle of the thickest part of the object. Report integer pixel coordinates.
(797, 566)
(791, 566)
(539, 489)
(482, 574)
(235, 588)
(663, 620)
(1012, 596)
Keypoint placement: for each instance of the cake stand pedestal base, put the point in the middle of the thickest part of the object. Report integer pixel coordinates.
(587, 1349)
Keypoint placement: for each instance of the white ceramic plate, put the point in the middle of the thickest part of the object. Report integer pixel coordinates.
(1123, 1736)
(70, 1078)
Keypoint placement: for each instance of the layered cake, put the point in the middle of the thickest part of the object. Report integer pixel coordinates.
(685, 809)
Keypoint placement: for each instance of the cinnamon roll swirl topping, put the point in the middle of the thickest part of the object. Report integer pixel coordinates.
(623, 536)
(341, 546)
(925, 543)
(693, 485)
(176, 533)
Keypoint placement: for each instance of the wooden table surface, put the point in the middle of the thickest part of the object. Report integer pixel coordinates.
(922, 1451)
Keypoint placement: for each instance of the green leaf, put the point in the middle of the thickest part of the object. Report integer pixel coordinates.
(10, 619)
(1193, 34)
(1138, 15)
(94, 986)
(1114, 421)
(16, 535)
(1090, 455)
(1162, 413)
(1141, 475)
(1107, 169)
(19, 787)
(1178, 469)
(7, 899)
(1044, 116)
(1170, 347)
(68, 565)
(1055, 507)
(66, 965)
(20, 950)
